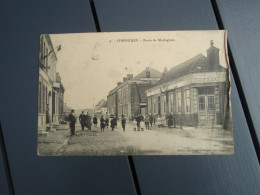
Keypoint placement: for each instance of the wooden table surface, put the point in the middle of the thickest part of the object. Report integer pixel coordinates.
(21, 24)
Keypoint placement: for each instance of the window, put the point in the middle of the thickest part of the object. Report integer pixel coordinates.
(179, 101)
(187, 100)
(211, 104)
(202, 103)
(170, 102)
(44, 53)
(47, 60)
(154, 106)
(149, 105)
(43, 99)
(205, 90)
(159, 104)
(164, 103)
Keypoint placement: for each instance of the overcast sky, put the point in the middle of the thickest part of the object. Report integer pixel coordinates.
(90, 64)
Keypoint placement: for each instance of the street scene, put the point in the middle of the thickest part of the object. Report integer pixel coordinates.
(174, 141)
(99, 96)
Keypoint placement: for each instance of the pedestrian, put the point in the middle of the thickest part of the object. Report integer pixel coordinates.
(95, 121)
(113, 123)
(107, 122)
(134, 124)
(102, 123)
(123, 121)
(116, 122)
(151, 120)
(89, 122)
(82, 120)
(159, 121)
(146, 121)
(170, 120)
(138, 120)
(72, 120)
(142, 125)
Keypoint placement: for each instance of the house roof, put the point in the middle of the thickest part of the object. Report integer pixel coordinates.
(153, 74)
(111, 92)
(198, 63)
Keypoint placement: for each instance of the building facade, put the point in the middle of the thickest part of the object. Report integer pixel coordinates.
(195, 92)
(50, 89)
(129, 97)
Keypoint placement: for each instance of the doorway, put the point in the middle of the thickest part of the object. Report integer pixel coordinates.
(206, 109)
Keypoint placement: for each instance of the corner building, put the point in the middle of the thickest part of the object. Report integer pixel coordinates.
(194, 92)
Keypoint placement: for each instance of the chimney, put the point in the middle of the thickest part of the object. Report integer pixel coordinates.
(124, 79)
(147, 72)
(164, 71)
(58, 79)
(129, 76)
(119, 83)
(213, 56)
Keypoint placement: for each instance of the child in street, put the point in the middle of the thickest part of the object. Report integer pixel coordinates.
(147, 120)
(142, 125)
(134, 125)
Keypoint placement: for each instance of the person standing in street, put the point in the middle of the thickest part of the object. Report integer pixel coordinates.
(72, 120)
(82, 121)
(123, 121)
(95, 120)
(151, 120)
(102, 124)
(107, 122)
(170, 120)
(147, 120)
(113, 123)
(138, 120)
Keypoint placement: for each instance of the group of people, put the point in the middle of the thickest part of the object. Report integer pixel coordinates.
(139, 122)
(85, 121)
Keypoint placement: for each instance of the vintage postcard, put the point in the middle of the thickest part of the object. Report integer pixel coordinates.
(134, 93)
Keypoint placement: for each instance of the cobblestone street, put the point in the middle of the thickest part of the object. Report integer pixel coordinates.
(156, 141)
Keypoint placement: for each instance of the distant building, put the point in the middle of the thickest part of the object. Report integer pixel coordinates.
(128, 97)
(101, 108)
(51, 89)
(195, 92)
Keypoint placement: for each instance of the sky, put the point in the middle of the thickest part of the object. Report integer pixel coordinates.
(91, 64)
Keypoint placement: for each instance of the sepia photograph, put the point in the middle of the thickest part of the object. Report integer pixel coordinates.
(134, 93)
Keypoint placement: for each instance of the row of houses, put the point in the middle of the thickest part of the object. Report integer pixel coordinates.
(50, 89)
(128, 97)
(195, 92)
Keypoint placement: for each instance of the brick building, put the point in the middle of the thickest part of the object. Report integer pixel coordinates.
(195, 92)
(50, 89)
(128, 97)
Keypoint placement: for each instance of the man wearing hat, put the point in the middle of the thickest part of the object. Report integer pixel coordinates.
(72, 120)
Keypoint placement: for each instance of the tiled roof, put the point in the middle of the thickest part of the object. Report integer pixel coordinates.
(197, 64)
(111, 92)
(153, 74)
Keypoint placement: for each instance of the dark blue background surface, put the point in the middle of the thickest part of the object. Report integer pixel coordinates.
(21, 24)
